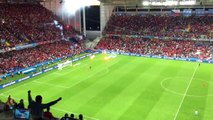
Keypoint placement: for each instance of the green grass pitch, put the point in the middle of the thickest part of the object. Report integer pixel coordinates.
(125, 88)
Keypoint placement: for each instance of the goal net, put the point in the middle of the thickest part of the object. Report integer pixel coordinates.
(64, 64)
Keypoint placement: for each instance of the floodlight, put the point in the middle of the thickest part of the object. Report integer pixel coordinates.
(170, 3)
(192, 2)
(145, 3)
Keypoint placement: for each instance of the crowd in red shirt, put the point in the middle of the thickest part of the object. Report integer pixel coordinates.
(165, 26)
(170, 48)
(125, 33)
(15, 60)
(22, 24)
(28, 23)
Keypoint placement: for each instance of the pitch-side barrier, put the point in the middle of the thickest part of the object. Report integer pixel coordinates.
(41, 72)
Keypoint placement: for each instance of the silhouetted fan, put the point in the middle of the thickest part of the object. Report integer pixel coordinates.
(73, 40)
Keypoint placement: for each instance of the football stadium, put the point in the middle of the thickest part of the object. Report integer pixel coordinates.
(106, 60)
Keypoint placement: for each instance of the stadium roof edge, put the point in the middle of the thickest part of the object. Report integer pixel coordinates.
(140, 2)
(163, 7)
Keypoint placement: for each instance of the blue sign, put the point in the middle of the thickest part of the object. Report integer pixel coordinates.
(210, 11)
(187, 12)
(199, 12)
(20, 47)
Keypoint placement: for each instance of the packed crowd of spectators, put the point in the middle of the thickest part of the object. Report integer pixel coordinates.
(16, 60)
(28, 23)
(22, 24)
(170, 48)
(166, 26)
(124, 33)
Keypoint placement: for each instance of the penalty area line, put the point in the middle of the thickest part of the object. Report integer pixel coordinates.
(184, 95)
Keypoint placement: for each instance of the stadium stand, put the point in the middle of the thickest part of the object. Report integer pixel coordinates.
(170, 48)
(168, 26)
(28, 23)
(16, 60)
(127, 33)
(22, 24)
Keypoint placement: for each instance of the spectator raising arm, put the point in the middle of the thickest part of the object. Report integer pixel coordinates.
(51, 103)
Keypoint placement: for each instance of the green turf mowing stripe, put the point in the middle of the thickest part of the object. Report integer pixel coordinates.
(147, 100)
(121, 80)
(197, 95)
(209, 106)
(94, 88)
(124, 88)
(127, 96)
(185, 93)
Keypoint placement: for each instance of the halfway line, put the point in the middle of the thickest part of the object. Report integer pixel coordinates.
(184, 95)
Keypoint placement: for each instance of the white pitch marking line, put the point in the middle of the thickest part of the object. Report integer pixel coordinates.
(89, 77)
(29, 82)
(60, 86)
(25, 83)
(37, 81)
(15, 88)
(65, 111)
(184, 95)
